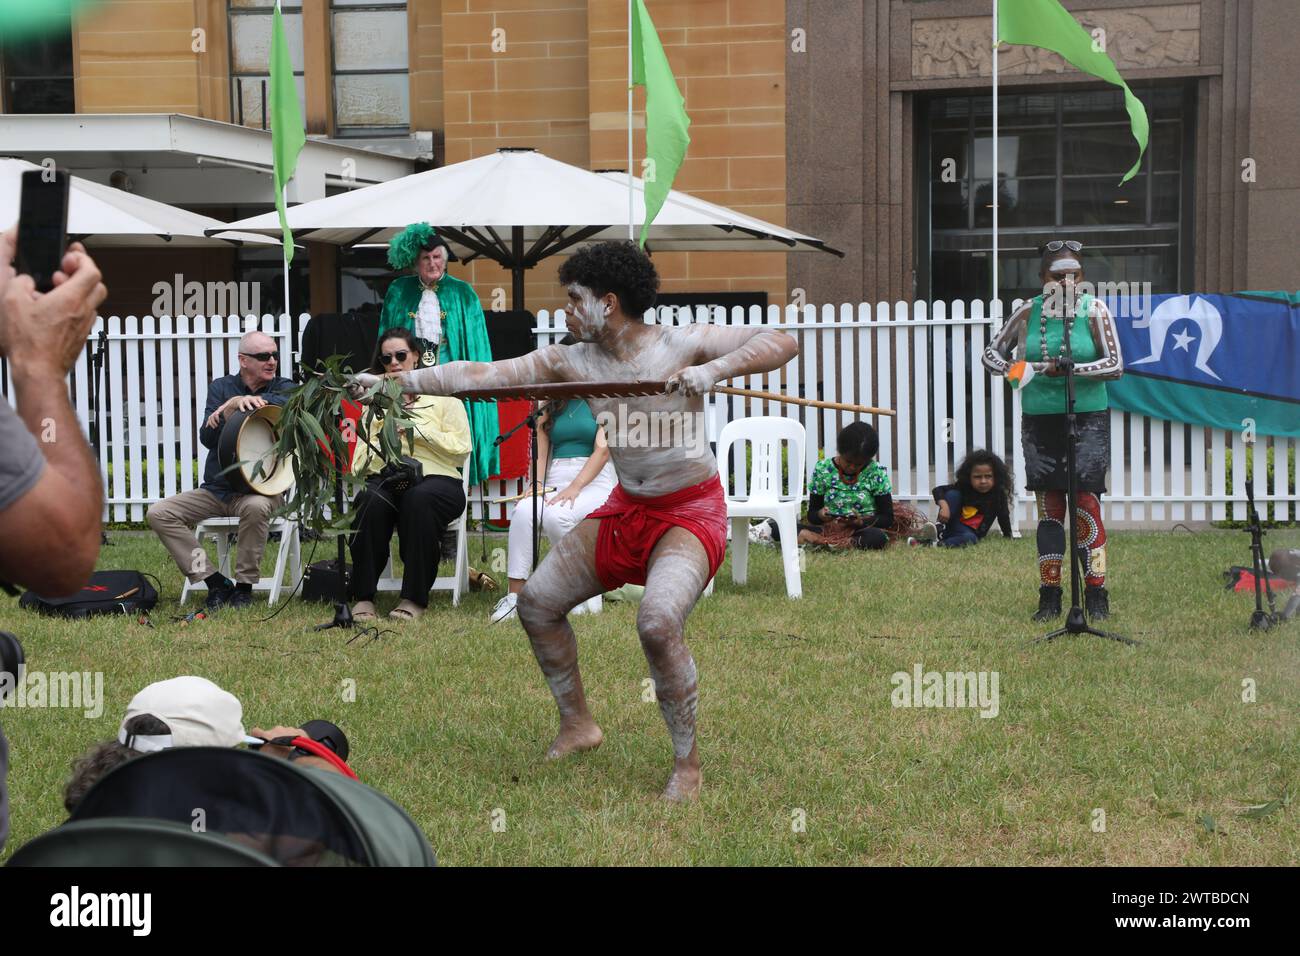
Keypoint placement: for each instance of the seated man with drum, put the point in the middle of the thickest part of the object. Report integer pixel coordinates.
(174, 519)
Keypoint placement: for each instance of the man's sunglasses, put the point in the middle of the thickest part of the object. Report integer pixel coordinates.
(388, 358)
(1056, 245)
(263, 356)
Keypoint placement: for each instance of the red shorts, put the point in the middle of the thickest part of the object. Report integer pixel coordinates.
(630, 527)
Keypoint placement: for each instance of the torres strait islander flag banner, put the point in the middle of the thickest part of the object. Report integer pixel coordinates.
(1226, 361)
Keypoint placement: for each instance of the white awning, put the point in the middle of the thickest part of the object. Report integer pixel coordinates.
(518, 206)
(104, 216)
(188, 161)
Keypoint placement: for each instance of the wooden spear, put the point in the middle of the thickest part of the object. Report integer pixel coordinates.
(566, 390)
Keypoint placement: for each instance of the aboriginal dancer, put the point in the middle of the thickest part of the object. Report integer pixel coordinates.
(665, 523)
(1028, 350)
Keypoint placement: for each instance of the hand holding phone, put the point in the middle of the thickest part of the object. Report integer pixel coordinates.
(42, 226)
(47, 332)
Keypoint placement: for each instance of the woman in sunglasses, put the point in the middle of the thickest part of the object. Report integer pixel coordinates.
(419, 512)
(1030, 349)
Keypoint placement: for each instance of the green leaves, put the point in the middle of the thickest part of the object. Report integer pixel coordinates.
(314, 431)
(1256, 811)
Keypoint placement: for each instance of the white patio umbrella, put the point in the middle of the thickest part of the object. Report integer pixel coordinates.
(100, 215)
(518, 206)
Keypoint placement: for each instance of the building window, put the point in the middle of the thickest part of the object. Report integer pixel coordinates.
(250, 57)
(37, 73)
(372, 93)
(1060, 159)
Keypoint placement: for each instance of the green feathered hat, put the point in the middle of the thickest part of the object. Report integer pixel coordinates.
(405, 247)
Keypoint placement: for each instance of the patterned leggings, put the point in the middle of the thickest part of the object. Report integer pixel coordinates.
(1051, 537)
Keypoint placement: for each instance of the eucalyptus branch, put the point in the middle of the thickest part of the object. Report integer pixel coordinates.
(313, 430)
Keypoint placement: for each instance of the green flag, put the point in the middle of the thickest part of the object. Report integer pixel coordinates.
(666, 137)
(1047, 24)
(23, 18)
(287, 134)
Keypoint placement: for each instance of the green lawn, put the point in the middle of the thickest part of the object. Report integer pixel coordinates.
(452, 717)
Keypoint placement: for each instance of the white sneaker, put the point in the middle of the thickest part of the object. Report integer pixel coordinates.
(761, 533)
(506, 608)
(927, 533)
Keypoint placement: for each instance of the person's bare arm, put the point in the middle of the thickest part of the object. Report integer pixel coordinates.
(723, 352)
(1109, 364)
(49, 537)
(1001, 351)
(592, 467)
(544, 365)
(596, 462)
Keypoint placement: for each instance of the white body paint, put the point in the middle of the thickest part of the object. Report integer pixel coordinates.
(692, 360)
(642, 353)
(590, 314)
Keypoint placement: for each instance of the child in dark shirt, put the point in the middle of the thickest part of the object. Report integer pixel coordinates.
(980, 495)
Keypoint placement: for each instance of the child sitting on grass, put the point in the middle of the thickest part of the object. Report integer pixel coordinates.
(850, 502)
(969, 506)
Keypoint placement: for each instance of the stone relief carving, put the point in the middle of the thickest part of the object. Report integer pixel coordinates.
(961, 46)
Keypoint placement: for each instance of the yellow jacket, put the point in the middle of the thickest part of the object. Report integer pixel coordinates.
(442, 439)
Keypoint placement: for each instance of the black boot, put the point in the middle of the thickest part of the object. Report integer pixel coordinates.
(220, 590)
(1097, 602)
(1049, 603)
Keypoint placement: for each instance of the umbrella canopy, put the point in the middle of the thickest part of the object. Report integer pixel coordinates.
(100, 215)
(518, 206)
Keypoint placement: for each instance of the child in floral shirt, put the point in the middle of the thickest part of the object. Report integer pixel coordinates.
(850, 499)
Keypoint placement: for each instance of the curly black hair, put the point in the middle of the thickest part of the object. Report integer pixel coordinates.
(101, 758)
(617, 267)
(1002, 483)
(858, 441)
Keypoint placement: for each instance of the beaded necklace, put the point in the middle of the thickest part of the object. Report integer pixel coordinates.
(1042, 334)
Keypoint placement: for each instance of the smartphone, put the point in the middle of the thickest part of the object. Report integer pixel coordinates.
(42, 225)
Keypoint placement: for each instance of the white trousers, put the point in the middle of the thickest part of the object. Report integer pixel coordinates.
(557, 520)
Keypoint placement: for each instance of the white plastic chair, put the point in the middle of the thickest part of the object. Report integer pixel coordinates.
(288, 558)
(759, 494)
(458, 581)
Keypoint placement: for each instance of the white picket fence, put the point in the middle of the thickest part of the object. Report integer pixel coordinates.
(921, 359)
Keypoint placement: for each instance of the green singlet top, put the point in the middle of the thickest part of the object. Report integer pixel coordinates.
(1045, 395)
(573, 435)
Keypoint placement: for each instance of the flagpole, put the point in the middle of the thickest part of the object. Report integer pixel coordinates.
(631, 235)
(284, 261)
(993, 298)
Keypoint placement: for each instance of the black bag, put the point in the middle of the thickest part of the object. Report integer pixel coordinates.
(399, 475)
(320, 581)
(107, 592)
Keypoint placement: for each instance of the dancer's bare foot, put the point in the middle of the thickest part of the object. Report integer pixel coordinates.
(684, 784)
(579, 734)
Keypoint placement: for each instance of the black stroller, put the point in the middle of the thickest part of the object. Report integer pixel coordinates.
(214, 806)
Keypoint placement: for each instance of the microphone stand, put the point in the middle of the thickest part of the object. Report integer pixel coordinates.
(531, 421)
(342, 612)
(96, 370)
(1260, 620)
(1075, 622)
